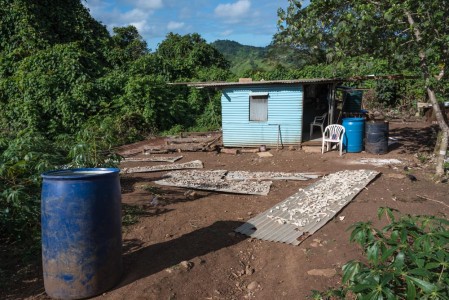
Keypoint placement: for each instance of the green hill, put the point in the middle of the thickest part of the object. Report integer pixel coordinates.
(248, 59)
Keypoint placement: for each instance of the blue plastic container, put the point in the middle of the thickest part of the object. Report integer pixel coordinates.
(353, 139)
(81, 232)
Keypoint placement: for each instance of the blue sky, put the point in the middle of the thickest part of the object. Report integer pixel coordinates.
(249, 22)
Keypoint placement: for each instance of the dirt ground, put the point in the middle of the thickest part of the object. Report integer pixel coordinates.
(185, 248)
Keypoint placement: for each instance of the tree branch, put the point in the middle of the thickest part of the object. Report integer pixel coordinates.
(440, 76)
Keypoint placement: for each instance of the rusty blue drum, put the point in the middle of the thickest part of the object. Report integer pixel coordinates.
(81, 232)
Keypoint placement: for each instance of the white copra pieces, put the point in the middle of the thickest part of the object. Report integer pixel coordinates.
(322, 199)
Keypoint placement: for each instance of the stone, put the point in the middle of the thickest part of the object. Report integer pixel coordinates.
(322, 272)
(265, 154)
(186, 264)
(249, 270)
(252, 286)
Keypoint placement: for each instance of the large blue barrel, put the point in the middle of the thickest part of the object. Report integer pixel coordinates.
(376, 137)
(353, 139)
(81, 232)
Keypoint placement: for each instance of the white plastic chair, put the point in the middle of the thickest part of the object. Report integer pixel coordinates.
(333, 134)
(318, 121)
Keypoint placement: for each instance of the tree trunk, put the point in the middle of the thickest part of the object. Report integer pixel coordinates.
(445, 132)
(433, 99)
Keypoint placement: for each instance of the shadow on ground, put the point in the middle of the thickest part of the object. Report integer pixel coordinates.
(155, 258)
(413, 140)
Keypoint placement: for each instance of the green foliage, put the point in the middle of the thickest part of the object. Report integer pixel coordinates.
(247, 60)
(184, 56)
(23, 158)
(131, 214)
(70, 93)
(127, 46)
(52, 90)
(93, 145)
(407, 259)
(387, 92)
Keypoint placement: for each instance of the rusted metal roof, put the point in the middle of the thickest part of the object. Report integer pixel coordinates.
(263, 82)
(306, 211)
(218, 84)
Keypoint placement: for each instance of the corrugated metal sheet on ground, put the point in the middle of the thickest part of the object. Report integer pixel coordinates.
(267, 226)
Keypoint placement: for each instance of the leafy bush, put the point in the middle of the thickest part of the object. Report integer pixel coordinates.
(27, 155)
(387, 92)
(407, 259)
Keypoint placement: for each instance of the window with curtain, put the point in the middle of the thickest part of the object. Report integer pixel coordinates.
(258, 107)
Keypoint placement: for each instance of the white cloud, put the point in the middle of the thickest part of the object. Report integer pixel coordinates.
(226, 32)
(233, 10)
(146, 4)
(175, 25)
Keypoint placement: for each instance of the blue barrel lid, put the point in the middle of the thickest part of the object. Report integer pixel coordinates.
(79, 173)
(353, 119)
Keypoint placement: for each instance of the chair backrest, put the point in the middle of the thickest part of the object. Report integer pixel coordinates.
(320, 119)
(334, 132)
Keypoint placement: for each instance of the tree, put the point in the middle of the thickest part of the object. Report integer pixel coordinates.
(413, 33)
(184, 56)
(127, 46)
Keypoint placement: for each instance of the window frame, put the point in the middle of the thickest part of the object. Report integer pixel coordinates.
(260, 98)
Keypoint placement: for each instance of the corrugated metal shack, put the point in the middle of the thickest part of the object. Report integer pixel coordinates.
(272, 113)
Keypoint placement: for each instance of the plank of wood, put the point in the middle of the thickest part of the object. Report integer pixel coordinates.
(189, 140)
(265, 154)
(229, 151)
(171, 159)
(245, 150)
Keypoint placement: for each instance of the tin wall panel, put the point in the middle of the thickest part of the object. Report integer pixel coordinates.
(284, 112)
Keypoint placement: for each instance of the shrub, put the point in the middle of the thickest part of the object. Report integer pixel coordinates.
(407, 259)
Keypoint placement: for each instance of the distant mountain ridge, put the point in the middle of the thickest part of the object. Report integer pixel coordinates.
(245, 59)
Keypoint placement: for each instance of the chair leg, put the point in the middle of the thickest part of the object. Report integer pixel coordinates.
(341, 148)
(322, 146)
(311, 131)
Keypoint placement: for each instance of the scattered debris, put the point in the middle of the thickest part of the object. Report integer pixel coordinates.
(379, 162)
(322, 272)
(172, 148)
(303, 213)
(196, 164)
(154, 159)
(341, 218)
(264, 154)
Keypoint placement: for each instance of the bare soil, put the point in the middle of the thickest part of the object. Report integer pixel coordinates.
(185, 248)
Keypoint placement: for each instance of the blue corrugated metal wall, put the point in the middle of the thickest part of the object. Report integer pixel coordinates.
(284, 109)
